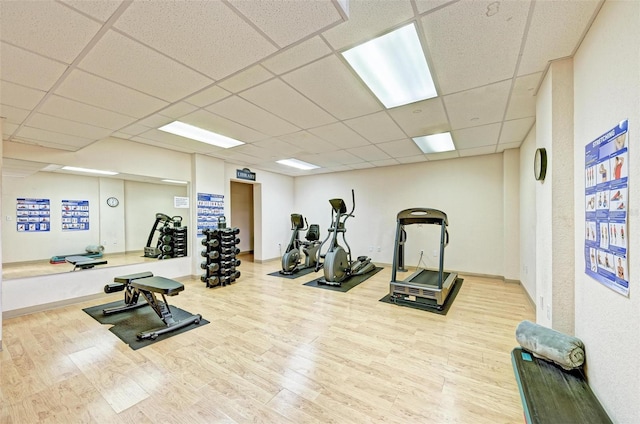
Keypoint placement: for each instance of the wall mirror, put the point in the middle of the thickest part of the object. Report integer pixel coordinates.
(49, 213)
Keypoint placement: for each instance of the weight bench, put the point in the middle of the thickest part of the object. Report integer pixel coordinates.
(550, 394)
(145, 284)
(84, 262)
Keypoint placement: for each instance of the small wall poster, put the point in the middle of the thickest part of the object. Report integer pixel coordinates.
(606, 201)
(33, 215)
(75, 215)
(210, 207)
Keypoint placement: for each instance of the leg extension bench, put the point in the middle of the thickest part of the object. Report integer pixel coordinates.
(147, 285)
(84, 262)
(551, 394)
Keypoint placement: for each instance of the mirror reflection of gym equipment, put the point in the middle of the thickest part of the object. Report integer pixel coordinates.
(172, 238)
(309, 247)
(424, 285)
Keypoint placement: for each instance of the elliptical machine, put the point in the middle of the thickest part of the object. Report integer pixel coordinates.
(310, 247)
(338, 265)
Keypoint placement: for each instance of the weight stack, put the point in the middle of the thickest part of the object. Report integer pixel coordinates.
(220, 263)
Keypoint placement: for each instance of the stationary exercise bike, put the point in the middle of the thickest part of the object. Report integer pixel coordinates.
(338, 265)
(309, 247)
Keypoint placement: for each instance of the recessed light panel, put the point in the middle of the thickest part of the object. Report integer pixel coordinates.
(200, 134)
(435, 143)
(174, 181)
(88, 170)
(394, 67)
(295, 163)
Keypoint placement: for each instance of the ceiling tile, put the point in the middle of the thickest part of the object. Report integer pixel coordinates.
(369, 153)
(412, 159)
(367, 20)
(208, 96)
(424, 6)
(8, 129)
(443, 155)
(506, 146)
(81, 112)
(421, 118)
(239, 110)
(122, 60)
(19, 96)
(476, 151)
(376, 128)
(61, 32)
(29, 69)
(246, 79)
(340, 135)
(99, 92)
(155, 137)
(290, 21)
(522, 102)
(483, 105)
(455, 59)
(155, 121)
(216, 41)
(515, 131)
(282, 100)
(278, 147)
(362, 165)
(53, 139)
(385, 162)
(328, 159)
(400, 148)
(64, 126)
(329, 83)
(101, 10)
(223, 126)
(177, 110)
(308, 142)
(20, 168)
(555, 31)
(296, 56)
(252, 150)
(12, 114)
(135, 129)
(243, 158)
(484, 135)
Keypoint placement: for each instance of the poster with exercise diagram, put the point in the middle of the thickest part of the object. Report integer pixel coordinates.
(606, 199)
(33, 215)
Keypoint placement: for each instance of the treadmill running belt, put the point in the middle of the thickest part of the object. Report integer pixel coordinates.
(428, 277)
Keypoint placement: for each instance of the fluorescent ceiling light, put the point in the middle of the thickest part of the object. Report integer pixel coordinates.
(199, 134)
(435, 143)
(87, 170)
(295, 163)
(394, 67)
(175, 181)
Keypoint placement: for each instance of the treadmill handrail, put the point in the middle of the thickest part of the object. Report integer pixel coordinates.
(422, 216)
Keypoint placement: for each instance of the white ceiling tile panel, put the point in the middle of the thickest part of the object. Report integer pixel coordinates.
(29, 69)
(185, 147)
(118, 134)
(53, 139)
(483, 105)
(239, 110)
(135, 129)
(155, 121)
(376, 128)
(340, 168)
(65, 126)
(421, 118)
(400, 148)
(443, 155)
(324, 160)
(244, 158)
(205, 35)
(369, 153)
(223, 126)
(456, 59)
(308, 142)
(296, 56)
(385, 162)
(412, 159)
(555, 30)
(8, 129)
(208, 96)
(20, 168)
(282, 100)
(515, 131)
(252, 150)
(246, 79)
(185, 144)
(484, 135)
(424, 6)
(477, 151)
(329, 83)
(81, 112)
(522, 102)
(286, 22)
(122, 60)
(362, 165)
(99, 92)
(12, 114)
(19, 96)
(45, 27)
(99, 9)
(177, 110)
(278, 147)
(506, 146)
(367, 20)
(340, 135)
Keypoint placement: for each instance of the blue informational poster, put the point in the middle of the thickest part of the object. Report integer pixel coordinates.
(210, 207)
(606, 200)
(75, 215)
(33, 215)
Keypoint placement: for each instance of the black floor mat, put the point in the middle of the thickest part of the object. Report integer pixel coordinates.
(126, 325)
(293, 276)
(347, 284)
(431, 305)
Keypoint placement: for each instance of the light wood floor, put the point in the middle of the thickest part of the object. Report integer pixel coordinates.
(275, 351)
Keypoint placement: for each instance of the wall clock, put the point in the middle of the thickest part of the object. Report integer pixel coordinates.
(113, 202)
(540, 164)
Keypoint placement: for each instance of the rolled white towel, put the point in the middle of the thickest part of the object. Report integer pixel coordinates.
(562, 349)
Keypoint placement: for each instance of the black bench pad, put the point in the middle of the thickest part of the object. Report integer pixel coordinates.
(126, 279)
(160, 285)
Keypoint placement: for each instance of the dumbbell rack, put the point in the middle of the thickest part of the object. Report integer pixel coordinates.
(220, 250)
(172, 242)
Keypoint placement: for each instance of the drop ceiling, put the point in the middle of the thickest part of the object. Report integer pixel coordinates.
(271, 74)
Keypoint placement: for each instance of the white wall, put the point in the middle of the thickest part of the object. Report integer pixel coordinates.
(528, 235)
(469, 190)
(606, 83)
(511, 213)
(112, 219)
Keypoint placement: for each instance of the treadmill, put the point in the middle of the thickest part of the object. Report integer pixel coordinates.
(423, 286)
